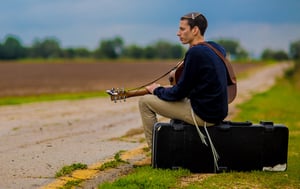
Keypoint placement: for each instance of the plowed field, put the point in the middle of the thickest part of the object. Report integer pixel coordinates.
(17, 79)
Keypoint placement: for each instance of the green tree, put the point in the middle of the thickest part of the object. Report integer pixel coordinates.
(149, 52)
(82, 52)
(133, 51)
(281, 55)
(233, 48)
(48, 48)
(269, 54)
(164, 49)
(76, 52)
(12, 49)
(295, 50)
(177, 51)
(69, 53)
(110, 48)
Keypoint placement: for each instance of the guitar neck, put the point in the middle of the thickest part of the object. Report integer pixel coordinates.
(121, 94)
(138, 92)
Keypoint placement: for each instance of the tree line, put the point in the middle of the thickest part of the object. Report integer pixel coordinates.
(11, 49)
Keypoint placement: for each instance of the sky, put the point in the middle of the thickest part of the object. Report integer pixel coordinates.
(256, 24)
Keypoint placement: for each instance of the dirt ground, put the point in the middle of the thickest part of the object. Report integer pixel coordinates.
(38, 139)
(30, 79)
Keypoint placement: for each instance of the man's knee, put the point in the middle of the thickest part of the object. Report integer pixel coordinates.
(145, 99)
(141, 102)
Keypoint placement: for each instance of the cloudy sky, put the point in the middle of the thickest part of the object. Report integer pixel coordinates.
(257, 24)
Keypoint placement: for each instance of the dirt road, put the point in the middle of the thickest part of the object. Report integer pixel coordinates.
(38, 139)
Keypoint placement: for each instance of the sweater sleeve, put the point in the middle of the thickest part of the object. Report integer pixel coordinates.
(186, 80)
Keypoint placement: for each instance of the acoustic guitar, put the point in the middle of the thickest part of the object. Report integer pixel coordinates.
(174, 74)
(122, 94)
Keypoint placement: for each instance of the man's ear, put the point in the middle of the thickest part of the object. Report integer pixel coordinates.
(195, 30)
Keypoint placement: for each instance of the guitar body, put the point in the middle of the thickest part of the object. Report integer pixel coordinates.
(175, 74)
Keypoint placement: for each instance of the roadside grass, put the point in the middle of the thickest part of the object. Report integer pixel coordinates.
(114, 163)
(71, 184)
(15, 100)
(280, 105)
(146, 177)
(68, 169)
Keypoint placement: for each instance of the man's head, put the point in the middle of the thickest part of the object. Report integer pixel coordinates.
(192, 28)
(196, 19)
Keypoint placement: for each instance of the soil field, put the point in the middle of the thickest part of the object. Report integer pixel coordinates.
(22, 79)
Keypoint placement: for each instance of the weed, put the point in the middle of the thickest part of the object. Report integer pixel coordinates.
(114, 163)
(70, 184)
(70, 168)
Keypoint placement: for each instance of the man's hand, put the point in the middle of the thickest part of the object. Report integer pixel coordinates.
(152, 87)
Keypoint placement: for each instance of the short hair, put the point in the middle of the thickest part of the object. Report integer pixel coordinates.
(196, 19)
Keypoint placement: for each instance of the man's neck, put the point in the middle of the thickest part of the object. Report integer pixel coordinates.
(197, 41)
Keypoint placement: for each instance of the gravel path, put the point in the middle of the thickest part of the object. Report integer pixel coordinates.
(38, 139)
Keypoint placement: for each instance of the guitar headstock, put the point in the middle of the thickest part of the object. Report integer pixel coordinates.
(117, 94)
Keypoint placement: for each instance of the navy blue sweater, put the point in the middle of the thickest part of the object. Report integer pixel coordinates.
(204, 81)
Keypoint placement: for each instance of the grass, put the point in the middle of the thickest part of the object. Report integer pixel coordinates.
(66, 170)
(71, 184)
(280, 105)
(14, 100)
(114, 163)
(69, 169)
(146, 177)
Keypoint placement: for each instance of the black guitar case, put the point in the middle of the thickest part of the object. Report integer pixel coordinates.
(241, 146)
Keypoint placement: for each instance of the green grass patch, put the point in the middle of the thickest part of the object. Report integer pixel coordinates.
(14, 100)
(114, 163)
(147, 177)
(71, 184)
(280, 104)
(66, 170)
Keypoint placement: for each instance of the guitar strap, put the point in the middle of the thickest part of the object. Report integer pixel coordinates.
(231, 78)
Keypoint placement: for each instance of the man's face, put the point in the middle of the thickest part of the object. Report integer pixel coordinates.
(185, 33)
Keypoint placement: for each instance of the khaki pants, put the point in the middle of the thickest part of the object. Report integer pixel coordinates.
(151, 105)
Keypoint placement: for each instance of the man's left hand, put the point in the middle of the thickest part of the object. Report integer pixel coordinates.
(152, 87)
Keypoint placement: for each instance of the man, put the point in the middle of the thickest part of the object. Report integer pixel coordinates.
(200, 95)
